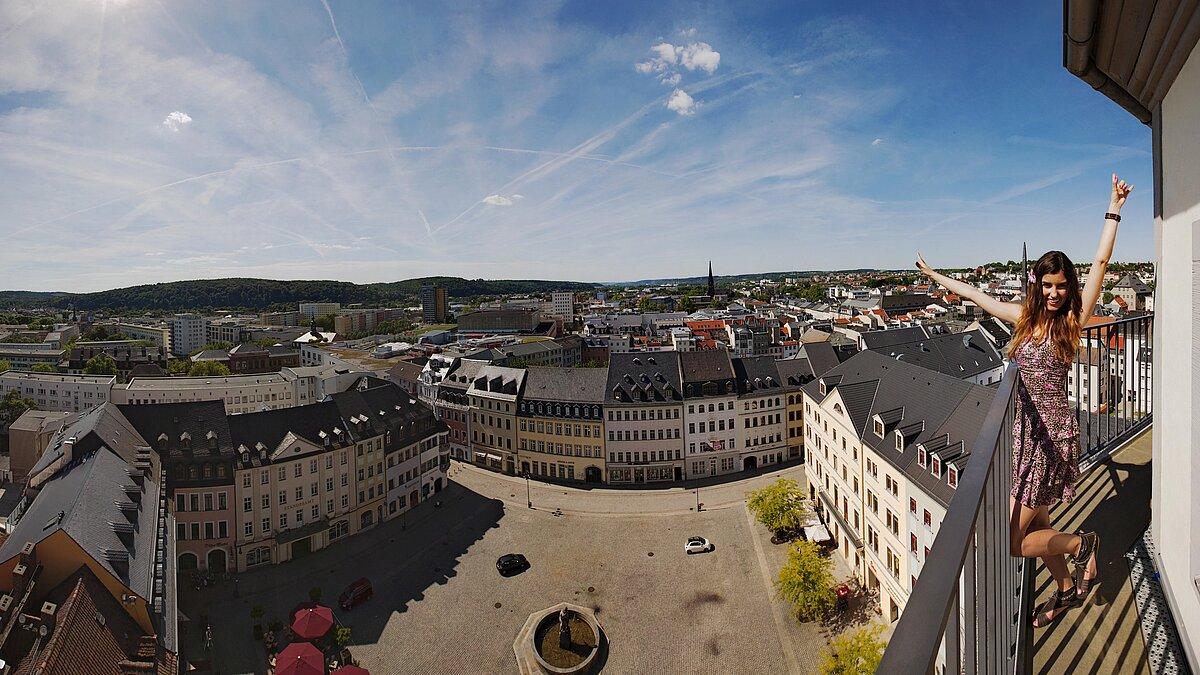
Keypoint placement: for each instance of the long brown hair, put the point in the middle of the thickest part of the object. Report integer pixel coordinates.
(1063, 328)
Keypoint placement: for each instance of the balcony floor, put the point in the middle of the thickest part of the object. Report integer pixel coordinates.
(1105, 635)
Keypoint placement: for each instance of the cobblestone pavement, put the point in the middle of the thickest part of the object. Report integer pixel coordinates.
(440, 606)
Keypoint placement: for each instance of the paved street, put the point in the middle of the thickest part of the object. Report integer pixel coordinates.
(440, 606)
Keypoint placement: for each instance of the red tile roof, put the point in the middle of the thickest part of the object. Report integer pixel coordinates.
(82, 643)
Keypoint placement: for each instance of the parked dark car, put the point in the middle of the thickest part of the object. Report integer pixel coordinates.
(511, 563)
(355, 594)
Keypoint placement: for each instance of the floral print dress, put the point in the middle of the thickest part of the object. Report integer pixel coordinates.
(1045, 430)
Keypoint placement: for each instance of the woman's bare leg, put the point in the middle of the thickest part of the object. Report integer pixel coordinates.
(1056, 564)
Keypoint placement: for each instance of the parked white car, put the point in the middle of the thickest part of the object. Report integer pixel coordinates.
(697, 545)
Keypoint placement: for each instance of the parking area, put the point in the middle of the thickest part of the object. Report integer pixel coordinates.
(441, 606)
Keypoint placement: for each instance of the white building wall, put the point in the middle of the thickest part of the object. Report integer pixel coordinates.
(1175, 508)
(60, 393)
(719, 433)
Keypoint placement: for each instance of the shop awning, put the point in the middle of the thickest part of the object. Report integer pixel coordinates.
(817, 533)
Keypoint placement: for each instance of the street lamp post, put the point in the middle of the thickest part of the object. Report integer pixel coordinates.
(697, 500)
(528, 498)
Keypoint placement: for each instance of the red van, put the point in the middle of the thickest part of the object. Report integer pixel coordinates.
(355, 594)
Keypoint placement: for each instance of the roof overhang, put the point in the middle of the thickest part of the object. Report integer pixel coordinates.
(1130, 51)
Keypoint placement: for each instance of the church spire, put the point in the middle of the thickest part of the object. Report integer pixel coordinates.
(712, 286)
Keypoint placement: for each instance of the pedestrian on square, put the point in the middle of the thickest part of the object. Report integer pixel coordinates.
(1047, 328)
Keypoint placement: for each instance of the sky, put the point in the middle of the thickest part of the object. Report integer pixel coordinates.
(144, 141)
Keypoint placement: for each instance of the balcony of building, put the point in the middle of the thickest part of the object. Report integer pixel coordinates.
(972, 610)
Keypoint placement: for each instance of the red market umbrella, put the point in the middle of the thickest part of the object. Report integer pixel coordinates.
(300, 658)
(311, 623)
(351, 670)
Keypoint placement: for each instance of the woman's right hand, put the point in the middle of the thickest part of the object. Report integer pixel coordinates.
(924, 266)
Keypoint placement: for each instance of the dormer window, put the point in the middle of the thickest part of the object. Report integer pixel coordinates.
(878, 427)
(824, 390)
(899, 442)
(952, 477)
(937, 467)
(922, 457)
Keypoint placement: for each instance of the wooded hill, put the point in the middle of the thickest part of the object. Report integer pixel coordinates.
(268, 294)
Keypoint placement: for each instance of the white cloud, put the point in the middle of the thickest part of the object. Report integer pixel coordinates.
(497, 200)
(177, 120)
(666, 52)
(688, 32)
(516, 197)
(877, 142)
(669, 58)
(699, 55)
(681, 102)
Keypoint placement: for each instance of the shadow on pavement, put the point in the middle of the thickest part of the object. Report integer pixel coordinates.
(401, 557)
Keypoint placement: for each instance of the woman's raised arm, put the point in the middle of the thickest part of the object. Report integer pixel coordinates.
(1005, 311)
(1095, 280)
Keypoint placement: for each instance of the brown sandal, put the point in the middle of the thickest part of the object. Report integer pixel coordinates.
(1087, 555)
(1056, 605)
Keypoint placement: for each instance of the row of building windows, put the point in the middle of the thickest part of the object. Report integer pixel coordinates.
(643, 434)
(560, 429)
(560, 448)
(196, 501)
(641, 415)
(211, 530)
(643, 456)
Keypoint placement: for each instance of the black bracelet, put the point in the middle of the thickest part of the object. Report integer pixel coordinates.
(1113, 216)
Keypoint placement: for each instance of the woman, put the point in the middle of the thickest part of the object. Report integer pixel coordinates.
(1047, 326)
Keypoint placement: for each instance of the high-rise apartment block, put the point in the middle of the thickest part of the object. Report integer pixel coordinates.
(433, 304)
(187, 333)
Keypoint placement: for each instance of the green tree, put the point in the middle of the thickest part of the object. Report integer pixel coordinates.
(208, 369)
(5, 365)
(1108, 297)
(325, 322)
(806, 581)
(43, 368)
(687, 304)
(779, 506)
(100, 364)
(13, 405)
(341, 636)
(178, 366)
(219, 344)
(857, 653)
(645, 304)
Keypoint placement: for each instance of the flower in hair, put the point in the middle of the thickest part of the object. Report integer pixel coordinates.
(1032, 278)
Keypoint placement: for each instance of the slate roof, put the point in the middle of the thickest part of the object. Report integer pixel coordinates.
(644, 378)
(999, 334)
(493, 380)
(794, 372)
(164, 426)
(406, 370)
(821, 357)
(877, 339)
(757, 376)
(83, 500)
(460, 375)
(247, 349)
(961, 355)
(578, 385)
(705, 366)
(937, 410)
(1130, 281)
(385, 407)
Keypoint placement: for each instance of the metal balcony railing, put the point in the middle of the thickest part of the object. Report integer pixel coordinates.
(970, 610)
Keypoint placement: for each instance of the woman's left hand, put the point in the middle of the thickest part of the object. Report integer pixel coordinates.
(1120, 192)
